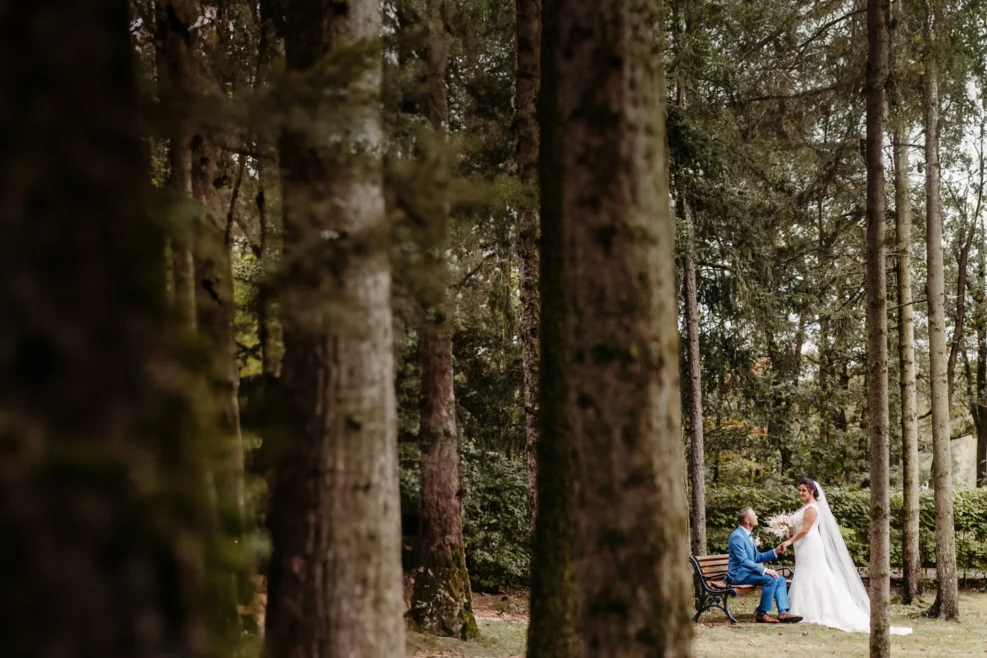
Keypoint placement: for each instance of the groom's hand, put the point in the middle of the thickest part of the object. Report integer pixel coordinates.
(781, 548)
(771, 572)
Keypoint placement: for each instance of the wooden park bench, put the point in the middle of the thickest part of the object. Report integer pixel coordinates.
(712, 588)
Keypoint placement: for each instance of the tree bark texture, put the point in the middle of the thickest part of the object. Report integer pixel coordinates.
(99, 489)
(553, 630)
(877, 334)
(175, 43)
(946, 605)
(442, 600)
(528, 81)
(335, 577)
(622, 328)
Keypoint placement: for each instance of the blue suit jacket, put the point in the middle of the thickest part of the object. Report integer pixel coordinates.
(745, 559)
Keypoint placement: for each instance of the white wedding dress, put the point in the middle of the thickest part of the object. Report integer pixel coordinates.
(826, 588)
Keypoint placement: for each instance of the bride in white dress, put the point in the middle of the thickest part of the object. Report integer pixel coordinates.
(826, 588)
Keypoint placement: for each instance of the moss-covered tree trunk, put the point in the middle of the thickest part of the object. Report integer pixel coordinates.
(334, 586)
(442, 601)
(175, 44)
(946, 605)
(528, 80)
(622, 357)
(877, 334)
(99, 489)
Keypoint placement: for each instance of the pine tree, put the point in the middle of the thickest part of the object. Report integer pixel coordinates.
(877, 333)
(335, 577)
(610, 192)
(946, 605)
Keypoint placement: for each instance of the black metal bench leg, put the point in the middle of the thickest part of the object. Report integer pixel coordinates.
(726, 609)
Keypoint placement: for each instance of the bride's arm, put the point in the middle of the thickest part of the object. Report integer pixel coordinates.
(810, 518)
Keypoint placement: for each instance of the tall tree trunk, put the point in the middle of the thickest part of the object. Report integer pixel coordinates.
(913, 584)
(697, 457)
(216, 316)
(554, 605)
(877, 334)
(528, 40)
(611, 192)
(175, 44)
(697, 464)
(335, 577)
(99, 476)
(946, 605)
(442, 601)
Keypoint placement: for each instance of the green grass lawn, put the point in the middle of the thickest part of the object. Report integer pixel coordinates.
(503, 625)
(716, 637)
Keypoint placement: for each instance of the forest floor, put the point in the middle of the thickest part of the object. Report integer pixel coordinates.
(503, 624)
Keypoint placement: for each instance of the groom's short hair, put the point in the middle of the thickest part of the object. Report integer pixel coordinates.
(743, 514)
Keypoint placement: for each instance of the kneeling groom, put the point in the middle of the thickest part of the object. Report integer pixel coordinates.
(744, 568)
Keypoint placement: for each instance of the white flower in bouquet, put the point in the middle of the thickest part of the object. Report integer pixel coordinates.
(781, 526)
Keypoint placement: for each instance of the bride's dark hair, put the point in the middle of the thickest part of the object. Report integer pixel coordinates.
(810, 485)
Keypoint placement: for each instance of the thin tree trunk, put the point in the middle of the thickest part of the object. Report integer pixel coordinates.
(697, 457)
(978, 398)
(554, 605)
(175, 44)
(441, 602)
(946, 605)
(528, 40)
(913, 584)
(697, 464)
(334, 587)
(877, 335)
(215, 319)
(632, 512)
(268, 324)
(958, 327)
(99, 475)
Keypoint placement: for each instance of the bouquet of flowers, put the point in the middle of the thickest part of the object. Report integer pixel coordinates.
(781, 526)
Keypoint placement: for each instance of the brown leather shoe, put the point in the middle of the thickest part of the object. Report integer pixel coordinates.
(764, 619)
(786, 618)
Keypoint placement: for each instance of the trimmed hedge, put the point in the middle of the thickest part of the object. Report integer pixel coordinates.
(850, 507)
